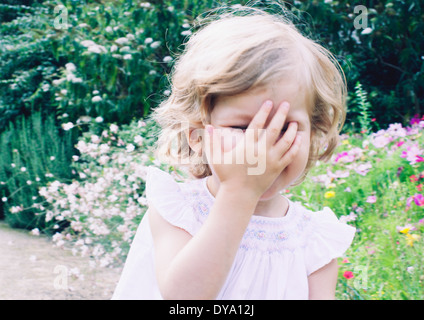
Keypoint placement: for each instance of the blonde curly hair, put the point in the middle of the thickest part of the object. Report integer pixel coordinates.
(242, 50)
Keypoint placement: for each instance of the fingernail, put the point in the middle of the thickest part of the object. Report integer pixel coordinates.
(268, 105)
(285, 105)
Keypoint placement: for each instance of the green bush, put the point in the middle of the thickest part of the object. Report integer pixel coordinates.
(108, 59)
(118, 50)
(33, 152)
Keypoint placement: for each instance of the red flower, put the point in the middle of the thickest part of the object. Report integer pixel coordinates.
(348, 274)
(413, 178)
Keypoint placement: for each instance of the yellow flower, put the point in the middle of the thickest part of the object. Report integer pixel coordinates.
(345, 141)
(410, 238)
(329, 194)
(405, 230)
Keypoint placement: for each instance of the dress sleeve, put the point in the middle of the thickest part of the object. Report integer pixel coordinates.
(167, 197)
(329, 239)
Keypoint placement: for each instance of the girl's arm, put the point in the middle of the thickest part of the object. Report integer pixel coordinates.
(322, 283)
(196, 267)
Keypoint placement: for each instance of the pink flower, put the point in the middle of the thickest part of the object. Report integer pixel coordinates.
(400, 143)
(371, 199)
(363, 169)
(415, 119)
(412, 154)
(348, 274)
(381, 141)
(344, 157)
(417, 198)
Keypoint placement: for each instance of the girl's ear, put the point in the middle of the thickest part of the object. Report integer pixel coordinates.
(195, 138)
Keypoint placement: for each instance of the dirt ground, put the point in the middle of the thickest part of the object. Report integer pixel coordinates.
(31, 268)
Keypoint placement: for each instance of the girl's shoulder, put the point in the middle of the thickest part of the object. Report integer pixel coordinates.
(183, 203)
(325, 237)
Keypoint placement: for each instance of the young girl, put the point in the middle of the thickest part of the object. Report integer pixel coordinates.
(229, 233)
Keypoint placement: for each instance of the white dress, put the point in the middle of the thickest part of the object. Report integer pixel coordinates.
(275, 257)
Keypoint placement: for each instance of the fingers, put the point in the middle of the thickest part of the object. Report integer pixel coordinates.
(284, 143)
(259, 120)
(290, 155)
(277, 123)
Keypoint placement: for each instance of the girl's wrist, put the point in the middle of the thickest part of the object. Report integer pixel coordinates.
(239, 191)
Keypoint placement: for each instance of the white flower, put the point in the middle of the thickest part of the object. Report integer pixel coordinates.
(23, 169)
(186, 33)
(113, 48)
(35, 232)
(45, 87)
(16, 209)
(67, 126)
(71, 77)
(58, 81)
(108, 29)
(142, 201)
(138, 140)
(95, 92)
(130, 148)
(155, 44)
(122, 40)
(96, 99)
(70, 67)
(125, 49)
(167, 59)
(64, 91)
(148, 40)
(88, 43)
(145, 5)
(99, 119)
(4, 199)
(95, 139)
(366, 31)
(130, 36)
(113, 128)
(103, 159)
(97, 49)
(127, 56)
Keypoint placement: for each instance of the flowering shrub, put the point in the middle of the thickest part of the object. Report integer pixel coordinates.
(374, 183)
(104, 207)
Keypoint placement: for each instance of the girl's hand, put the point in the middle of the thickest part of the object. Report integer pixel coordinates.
(263, 147)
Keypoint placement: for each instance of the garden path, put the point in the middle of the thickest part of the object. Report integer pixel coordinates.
(32, 268)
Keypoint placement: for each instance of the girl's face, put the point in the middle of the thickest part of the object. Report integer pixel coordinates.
(236, 112)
